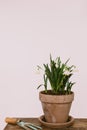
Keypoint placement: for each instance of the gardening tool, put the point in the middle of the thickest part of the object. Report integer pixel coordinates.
(24, 125)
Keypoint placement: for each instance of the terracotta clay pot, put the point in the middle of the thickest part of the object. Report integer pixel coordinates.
(56, 108)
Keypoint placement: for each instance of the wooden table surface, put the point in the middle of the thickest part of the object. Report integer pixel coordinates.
(79, 124)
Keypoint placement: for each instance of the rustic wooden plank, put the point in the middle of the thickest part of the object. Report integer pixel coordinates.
(79, 124)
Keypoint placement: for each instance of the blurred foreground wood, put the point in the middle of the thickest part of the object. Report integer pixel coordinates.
(79, 124)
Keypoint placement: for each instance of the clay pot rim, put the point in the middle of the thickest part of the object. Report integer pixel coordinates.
(56, 98)
(51, 93)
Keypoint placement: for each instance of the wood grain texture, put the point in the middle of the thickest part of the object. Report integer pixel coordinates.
(79, 124)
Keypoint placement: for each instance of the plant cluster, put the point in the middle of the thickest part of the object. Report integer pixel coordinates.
(58, 75)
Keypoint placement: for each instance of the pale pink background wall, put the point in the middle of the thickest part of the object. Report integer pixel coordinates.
(29, 31)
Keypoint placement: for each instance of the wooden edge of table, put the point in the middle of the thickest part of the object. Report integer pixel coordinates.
(78, 124)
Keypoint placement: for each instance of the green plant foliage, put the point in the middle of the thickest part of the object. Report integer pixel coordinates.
(58, 75)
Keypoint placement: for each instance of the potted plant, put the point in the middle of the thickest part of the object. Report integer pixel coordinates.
(57, 100)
